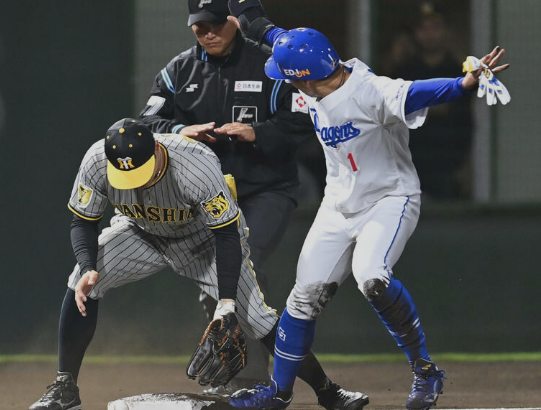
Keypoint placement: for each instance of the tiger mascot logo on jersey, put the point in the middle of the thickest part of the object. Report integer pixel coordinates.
(216, 206)
(84, 195)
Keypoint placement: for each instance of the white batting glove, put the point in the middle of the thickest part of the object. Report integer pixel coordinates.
(223, 308)
(489, 85)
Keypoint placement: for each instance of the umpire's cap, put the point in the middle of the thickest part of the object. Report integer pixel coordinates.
(212, 11)
(129, 147)
(302, 54)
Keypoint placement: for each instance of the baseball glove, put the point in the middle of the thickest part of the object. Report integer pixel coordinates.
(221, 353)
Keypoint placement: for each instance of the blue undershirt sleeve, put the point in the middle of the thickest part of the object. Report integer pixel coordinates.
(435, 91)
(272, 35)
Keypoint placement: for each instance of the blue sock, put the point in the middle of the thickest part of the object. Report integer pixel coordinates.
(294, 338)
(397, 311)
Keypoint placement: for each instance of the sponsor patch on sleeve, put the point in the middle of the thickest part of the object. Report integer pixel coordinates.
(84, 195)
(216, 206)
(298, 103)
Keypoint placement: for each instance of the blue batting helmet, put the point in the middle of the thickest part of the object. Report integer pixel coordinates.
(302, 54)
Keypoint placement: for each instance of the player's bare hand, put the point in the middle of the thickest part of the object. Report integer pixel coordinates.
(491, 60)
(83, 288)
(199, 131)
(244, 132)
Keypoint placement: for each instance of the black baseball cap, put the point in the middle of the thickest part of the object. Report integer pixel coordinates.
(212, 11)
(129, 147)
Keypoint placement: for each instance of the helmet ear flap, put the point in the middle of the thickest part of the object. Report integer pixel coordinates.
(302, 54)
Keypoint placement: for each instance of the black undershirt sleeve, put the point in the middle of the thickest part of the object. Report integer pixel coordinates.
(84, 241)
(228, 260)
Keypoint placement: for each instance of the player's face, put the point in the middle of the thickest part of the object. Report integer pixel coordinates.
(216, 39)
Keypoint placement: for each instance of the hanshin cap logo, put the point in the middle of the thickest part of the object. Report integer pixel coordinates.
(129, 147)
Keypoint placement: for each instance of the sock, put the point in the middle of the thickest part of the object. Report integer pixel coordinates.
(310, 371)
(397, 311)
(293, 341)
(75, 333)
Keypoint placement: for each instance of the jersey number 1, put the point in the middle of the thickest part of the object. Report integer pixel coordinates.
(352, 162)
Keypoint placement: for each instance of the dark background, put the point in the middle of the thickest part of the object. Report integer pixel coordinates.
(66, 74)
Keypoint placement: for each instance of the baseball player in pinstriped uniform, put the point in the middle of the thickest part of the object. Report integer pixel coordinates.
(175, 209)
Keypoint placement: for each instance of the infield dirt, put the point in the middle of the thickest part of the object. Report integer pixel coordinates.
(468, 385)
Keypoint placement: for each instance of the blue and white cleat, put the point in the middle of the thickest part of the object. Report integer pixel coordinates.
(260, 397)
(427, 385)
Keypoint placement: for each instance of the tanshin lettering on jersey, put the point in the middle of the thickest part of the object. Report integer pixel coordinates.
(334, 135)
(154, 213)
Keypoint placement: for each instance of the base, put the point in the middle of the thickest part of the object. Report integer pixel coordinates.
(171, 401)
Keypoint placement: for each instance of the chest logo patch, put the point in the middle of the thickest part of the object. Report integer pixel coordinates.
(84, 195)
(216, 206)
(246, 115)
(249, 86)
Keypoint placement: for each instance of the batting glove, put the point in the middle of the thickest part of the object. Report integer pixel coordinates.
(489, 85)
(223, 308)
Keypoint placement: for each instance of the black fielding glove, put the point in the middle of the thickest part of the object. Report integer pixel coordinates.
(221, 353)
(252, 18)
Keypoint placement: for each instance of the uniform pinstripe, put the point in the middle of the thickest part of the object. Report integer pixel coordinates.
(167, 224)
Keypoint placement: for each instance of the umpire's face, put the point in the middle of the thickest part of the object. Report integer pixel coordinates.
(216, 39)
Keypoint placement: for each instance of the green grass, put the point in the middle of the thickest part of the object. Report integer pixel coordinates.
(325, 358)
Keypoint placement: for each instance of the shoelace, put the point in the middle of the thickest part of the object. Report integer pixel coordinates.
(53, 390)
(420, 381)
(342, 394)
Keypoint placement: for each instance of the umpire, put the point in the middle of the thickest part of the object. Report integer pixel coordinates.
(217, 92)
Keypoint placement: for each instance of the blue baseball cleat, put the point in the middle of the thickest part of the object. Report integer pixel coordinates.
(427, 385)
(260, 397)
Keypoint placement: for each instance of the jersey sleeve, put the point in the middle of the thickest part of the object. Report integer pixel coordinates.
(390, 100)
(159, 112)
(89, 194)
(210, 193)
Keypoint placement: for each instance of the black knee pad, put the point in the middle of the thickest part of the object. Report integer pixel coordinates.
(374, 289)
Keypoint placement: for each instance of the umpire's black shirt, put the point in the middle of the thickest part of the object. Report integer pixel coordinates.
(197, 88)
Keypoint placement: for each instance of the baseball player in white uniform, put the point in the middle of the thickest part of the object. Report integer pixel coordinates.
(174, 208)
(372, 197)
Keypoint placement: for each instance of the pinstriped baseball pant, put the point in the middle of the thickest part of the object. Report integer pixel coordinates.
(128, 254)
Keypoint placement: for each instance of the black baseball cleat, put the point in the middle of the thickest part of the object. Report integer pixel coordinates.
(427, 385)
(334, 397)
(63, 394)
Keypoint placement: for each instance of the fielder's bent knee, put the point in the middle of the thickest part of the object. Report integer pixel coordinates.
(308, 302)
